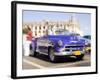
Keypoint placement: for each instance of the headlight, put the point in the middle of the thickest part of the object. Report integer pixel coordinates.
(60, 43)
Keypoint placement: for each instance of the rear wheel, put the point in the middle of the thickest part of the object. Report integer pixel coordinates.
(51, 55)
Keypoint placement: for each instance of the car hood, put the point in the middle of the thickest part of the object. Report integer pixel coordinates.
(67, 39)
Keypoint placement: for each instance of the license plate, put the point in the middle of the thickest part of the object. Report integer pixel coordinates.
(77, 53)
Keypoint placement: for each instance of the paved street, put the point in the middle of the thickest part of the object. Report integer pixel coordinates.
(42, 61)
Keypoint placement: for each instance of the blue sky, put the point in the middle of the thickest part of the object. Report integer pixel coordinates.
(83, 18)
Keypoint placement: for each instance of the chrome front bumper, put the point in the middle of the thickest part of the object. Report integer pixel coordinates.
(67, 53)
(69, 50)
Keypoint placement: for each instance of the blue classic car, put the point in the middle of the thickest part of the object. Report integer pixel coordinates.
(61, 43)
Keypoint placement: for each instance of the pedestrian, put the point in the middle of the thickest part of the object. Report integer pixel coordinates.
(27, 42)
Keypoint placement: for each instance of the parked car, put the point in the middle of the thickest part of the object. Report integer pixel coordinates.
(62, 43)
(87, 46)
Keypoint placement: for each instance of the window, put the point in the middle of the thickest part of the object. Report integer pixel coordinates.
(39, 31)
(35, 27)
(35, 34)
(43, 27)
(43, 31)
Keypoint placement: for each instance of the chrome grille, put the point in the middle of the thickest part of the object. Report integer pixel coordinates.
(72, 48)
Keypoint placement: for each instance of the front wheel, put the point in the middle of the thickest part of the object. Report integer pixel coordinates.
(80, 57)
(51, 55)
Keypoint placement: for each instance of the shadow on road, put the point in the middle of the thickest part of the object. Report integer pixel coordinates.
(61, 59)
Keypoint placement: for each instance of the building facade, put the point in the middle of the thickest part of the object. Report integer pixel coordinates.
(41, 28)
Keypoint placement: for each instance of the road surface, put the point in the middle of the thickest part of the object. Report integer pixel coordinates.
(42, 61)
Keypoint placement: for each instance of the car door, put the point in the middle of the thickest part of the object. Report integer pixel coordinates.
(42, 45)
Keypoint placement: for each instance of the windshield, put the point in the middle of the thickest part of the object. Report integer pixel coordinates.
(58, 32)
(61, 32)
